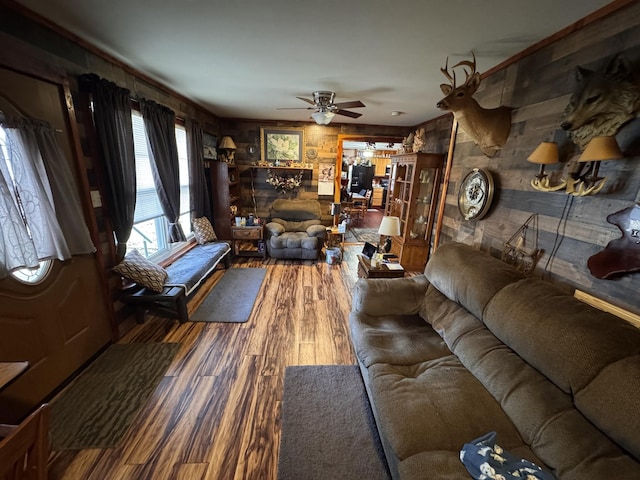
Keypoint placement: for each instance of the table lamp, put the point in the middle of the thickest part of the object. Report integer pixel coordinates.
(389, 226)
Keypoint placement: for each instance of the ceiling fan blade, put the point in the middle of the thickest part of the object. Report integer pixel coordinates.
(306, 100)
(347, 113)
(296, 108)
(354, 104)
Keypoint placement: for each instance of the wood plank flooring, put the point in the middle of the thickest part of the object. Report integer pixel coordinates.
(216, 413)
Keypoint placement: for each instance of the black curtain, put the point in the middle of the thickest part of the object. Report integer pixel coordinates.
(112, 119)
(199, 193)
(159, 122)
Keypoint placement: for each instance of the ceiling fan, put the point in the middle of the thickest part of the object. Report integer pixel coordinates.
(325, 109)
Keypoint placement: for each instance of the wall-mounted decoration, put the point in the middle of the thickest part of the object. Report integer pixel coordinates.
(602, 101)
(326, 174)
(489, 127)
(521, 250)
(475, 194)
(209, 144)
(622, 255)
(281, 145)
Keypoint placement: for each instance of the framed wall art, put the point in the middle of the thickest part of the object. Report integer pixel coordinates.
(280, 146)
(209, 144)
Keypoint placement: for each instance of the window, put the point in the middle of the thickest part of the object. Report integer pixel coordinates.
(7, 151)
(150, 226)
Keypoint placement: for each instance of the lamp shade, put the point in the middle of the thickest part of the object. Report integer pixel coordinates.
(226, 143)
(600, 149)
(545, 154)
(389, 226)
(323, 118)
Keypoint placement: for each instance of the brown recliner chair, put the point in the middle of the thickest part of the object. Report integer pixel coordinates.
(295, 229)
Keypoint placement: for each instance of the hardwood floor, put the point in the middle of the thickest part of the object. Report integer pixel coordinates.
(216, 413)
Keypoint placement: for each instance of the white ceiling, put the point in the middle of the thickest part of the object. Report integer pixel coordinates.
(246, 58)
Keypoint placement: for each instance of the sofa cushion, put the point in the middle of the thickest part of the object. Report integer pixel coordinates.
(297, 226)
(294, 240)
(462, 274)
(397, 296)
(563, 339)
(436, 405)
(296, 210)
(397, 339)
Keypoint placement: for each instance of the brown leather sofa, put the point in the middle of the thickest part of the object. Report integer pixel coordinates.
(295, 229)
(472, 347)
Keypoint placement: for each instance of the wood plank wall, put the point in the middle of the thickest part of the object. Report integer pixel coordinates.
(538, 88)
(320, 146)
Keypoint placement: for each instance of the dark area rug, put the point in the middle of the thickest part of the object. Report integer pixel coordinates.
(361, 235)
(328, 430)
(232, 298)
(96, 410)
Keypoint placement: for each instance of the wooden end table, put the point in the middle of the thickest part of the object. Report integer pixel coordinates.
(382, 271)
(254, 234)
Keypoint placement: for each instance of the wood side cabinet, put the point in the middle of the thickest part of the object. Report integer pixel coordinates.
(224, 190)
(412, 196)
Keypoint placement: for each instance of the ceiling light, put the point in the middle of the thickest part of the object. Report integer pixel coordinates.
(323, 118)
(396, 113)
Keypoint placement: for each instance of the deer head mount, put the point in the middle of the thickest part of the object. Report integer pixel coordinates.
(489, 127)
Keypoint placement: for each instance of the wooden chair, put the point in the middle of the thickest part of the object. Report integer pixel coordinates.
(24, 452)
(360, 207)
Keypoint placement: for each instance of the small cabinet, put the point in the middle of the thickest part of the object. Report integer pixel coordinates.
(412, 196)
(224, 189)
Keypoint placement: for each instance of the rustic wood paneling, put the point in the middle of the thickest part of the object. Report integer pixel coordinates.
(538, 87)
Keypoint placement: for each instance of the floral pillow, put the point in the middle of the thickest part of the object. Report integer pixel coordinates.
(203, 230)
(138, 269)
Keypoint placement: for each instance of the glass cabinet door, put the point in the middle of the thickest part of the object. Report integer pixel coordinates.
(423, 198)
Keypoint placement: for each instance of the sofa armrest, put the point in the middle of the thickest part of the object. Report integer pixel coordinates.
(317, 231)
(274, 229)
(389, 296)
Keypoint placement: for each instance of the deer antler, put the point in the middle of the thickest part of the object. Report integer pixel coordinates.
(467, 63)
(445, 72)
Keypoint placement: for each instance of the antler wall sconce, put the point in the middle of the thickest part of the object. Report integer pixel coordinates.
(580, 183)
(545, 154)
(599, 149)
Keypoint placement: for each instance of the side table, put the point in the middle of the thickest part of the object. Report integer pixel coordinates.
(365, 270)
(335, 238)
(253, 234)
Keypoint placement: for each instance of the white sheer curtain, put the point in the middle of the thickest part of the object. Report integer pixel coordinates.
(31, 230)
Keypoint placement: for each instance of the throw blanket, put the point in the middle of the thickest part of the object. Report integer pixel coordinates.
(485, 459)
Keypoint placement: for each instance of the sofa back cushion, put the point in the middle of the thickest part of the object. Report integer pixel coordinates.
(587, 353)
(468, 276)
(296, 210)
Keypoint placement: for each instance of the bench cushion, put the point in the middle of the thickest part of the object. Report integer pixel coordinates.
(195, 265)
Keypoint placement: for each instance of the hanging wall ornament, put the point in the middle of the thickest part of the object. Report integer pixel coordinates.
(521, 250)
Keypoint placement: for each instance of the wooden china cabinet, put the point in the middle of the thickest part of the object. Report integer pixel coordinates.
(224, 189)
(412, 196)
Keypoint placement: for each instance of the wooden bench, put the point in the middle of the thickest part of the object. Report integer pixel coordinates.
(186, 274)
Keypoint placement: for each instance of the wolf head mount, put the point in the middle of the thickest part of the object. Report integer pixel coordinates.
(489, 127)
(602, 101)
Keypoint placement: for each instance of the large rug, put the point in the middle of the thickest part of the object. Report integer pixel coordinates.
(361, 235)
(232, 298)
(96, 410)
(328, 431)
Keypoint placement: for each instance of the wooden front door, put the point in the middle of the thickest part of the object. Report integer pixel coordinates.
(60, 323)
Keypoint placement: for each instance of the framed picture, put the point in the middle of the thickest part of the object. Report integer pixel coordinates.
(209, 144)
(281, 145)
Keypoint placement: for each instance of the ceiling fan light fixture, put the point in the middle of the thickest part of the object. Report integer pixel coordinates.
(323, 118)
